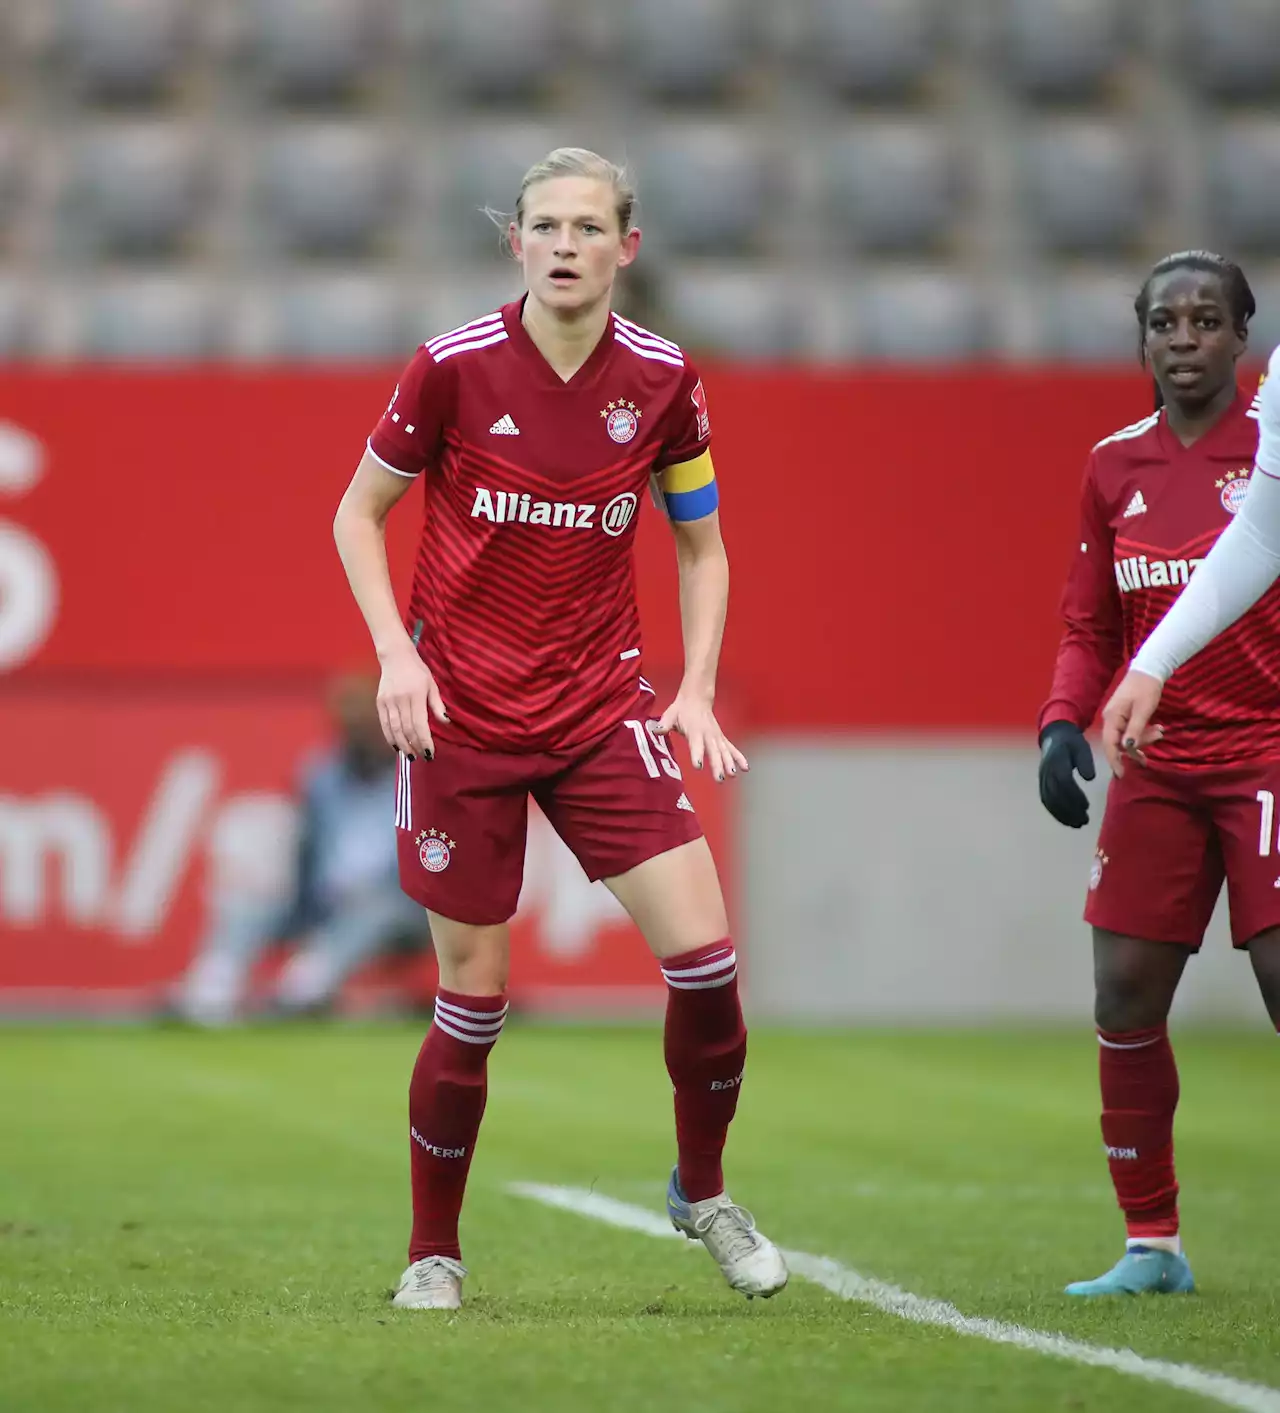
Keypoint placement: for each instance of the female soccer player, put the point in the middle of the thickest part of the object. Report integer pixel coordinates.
(1239, 569)
(536, 431)
(1156, 496)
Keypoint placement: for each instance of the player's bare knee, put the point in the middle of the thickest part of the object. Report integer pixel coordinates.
(474, 959)
(675, 899)
(1134, 981)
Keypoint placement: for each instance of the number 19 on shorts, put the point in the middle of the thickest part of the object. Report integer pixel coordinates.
(1267, 825)
(644, 733)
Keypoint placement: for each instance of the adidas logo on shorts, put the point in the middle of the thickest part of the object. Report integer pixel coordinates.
(683, 803)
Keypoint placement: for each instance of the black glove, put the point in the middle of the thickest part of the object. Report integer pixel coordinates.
(1064, 752)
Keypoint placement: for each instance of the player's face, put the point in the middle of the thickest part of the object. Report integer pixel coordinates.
(1191, 343)
(570, 244)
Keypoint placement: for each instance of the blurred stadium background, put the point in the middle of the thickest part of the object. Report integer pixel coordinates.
(902, 236)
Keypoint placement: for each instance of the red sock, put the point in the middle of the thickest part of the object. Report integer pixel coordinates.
(446, 1103)
(705, 1043)
(1139, 1095)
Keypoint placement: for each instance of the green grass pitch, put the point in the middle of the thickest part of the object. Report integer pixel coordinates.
(212, 1222)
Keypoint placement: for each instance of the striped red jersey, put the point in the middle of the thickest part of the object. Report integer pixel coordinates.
(525, 581)
(1151, 510)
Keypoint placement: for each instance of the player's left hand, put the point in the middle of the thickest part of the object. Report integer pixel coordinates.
(693, 718)
(1126, 720)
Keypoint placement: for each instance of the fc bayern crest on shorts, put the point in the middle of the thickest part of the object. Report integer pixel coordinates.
(435, 849)
(1234, 487)
(622, 421)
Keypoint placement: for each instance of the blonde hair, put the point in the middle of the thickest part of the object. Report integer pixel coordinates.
(580, 162)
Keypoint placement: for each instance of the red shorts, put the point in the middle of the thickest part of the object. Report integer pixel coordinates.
(461, 818)
(1169, 838)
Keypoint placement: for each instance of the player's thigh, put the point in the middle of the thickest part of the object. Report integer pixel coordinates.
(675, 899)
(1245, 803)
(461, 824)
(622, 809)
(1158, 869)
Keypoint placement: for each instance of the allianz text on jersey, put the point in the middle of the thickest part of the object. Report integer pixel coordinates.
(510, 508)
(1139, 572)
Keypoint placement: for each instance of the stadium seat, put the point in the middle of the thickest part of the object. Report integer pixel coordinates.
(493, 49)
(136, 189)
(1087, 316)
(922, 315)
(702, 188)
(123, 49)
(12, 176)
(739, 310)
(482, 168)
(1244, 185)
(1086, 184)
(683, 49)
(891, 185)
(1062, 49)
(16, 325)
(1264, 328)
(872, 49)
(345, 317)
(314, 50)
(152, 318)
(326, 188)
(1233, 48)
(437, 306)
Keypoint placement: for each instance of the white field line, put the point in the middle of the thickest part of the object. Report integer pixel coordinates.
(850, 1285)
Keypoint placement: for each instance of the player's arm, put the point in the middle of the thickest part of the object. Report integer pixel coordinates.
(1089, 655)
(1237, 571)
(359, 529)
(401, 446)
(689, 495)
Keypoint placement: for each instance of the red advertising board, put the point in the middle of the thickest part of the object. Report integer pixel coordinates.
(898, 541)
(119, 807)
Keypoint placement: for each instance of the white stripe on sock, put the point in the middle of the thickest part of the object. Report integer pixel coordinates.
(462, 1035)
(1137, 1045)
(453, 1010)
(708, 969)
(702, 985)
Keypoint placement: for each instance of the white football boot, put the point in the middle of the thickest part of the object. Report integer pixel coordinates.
(750, 1262)
(434, 1283)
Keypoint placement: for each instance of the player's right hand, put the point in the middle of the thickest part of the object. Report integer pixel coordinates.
(1126, 719)
(407, 699)
(1064, 753)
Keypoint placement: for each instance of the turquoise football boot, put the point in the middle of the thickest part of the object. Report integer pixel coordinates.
(1141, 1271)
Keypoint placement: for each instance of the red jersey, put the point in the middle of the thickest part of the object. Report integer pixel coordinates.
(1151, 510)
(525, 582)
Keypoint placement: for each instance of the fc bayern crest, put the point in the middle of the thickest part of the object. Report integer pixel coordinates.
(435, 850)
(622, 421)
(1234, 487)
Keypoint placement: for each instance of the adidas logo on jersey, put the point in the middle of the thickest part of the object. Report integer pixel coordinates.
(683, 803)
(1139, 572)
(505, 427)
(1137, 506)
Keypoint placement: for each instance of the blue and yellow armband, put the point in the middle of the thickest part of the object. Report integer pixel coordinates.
(689, 489)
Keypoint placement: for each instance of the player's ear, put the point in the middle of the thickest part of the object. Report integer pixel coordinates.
(630, 247)
(513, 240)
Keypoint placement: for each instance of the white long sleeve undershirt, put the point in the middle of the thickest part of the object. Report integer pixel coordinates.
(1240, 568)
